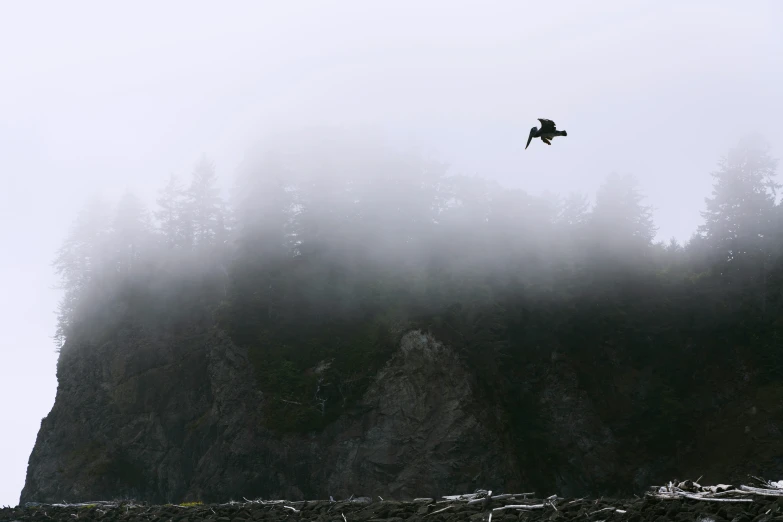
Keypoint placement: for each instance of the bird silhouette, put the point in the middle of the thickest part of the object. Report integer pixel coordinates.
(546, 132)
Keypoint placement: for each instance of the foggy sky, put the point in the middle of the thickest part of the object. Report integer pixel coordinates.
(97, 97)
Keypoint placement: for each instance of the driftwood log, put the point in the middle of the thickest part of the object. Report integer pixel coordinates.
(720, 493)
(757, 490)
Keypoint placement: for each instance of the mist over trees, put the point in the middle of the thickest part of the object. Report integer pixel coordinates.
(330, 242)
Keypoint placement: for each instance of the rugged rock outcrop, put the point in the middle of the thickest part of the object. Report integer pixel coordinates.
(167, 420)
(420, 431)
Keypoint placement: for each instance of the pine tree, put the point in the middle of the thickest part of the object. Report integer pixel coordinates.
(571, 222)
(169, 214)
(574, 211)
(132, 232)
(263, 234)
(264, 210)
(204, 203)
(84, 259)
(622, 224)
(740, 212)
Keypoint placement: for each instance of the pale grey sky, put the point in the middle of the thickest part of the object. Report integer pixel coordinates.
(100, 96)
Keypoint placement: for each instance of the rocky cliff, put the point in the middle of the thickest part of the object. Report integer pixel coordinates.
(172, 419)
(167, 420)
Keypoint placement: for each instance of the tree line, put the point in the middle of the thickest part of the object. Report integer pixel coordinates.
(368, 215)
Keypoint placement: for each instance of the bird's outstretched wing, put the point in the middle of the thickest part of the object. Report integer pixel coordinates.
(547, 125)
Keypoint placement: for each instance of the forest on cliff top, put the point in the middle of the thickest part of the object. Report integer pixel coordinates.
(331, 245)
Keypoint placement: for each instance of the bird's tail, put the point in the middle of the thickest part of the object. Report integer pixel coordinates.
(563, 133)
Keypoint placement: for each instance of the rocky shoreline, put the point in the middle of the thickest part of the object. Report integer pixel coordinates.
(476, 508)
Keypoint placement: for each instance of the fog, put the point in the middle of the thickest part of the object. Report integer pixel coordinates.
(98, 98)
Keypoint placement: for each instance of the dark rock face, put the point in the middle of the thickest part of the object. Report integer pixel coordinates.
(420, 433)
(165, 420)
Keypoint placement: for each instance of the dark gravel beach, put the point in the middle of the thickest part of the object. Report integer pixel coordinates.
(760, 509)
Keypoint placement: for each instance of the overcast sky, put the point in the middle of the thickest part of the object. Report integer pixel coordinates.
(103, 96)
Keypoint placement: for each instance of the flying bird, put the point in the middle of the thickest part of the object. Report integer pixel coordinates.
(546, 132)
